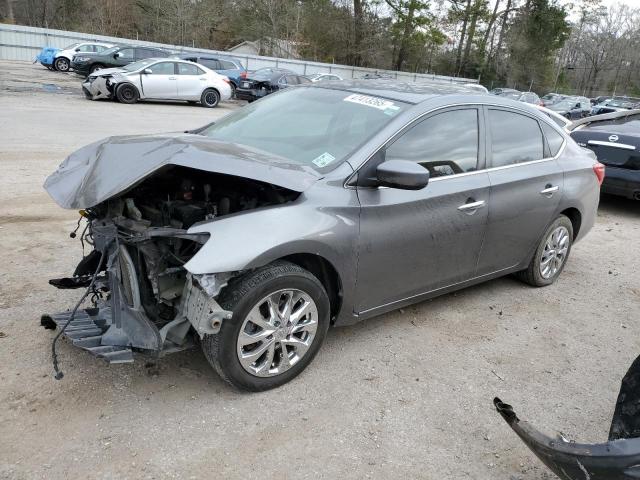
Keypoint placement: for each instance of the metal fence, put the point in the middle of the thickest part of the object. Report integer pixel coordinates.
(18, 42)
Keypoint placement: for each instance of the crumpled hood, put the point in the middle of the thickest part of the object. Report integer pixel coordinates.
(106, 168)
(108, 71)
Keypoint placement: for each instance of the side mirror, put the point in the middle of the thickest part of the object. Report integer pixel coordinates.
(402, 174)
(116, 55)
(147, 71)
(77, 49)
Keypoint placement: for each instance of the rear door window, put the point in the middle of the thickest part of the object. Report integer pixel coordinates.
(142, 53)
(186, 69)
(515, 138)
(445, 144)
(126, 54)
(210, 63)
(227, 65)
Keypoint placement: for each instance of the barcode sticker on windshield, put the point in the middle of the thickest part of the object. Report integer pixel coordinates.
(323, 160)
(374, 102)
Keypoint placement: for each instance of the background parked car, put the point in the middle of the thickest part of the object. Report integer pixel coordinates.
(160, 79)
(615, 104)
(477, 87)
(572, 107)
(324, 77)
(267, 80)
(526, 97)
(615, 139)
(551, 98)
(62, 58)
(118, 56)
(230, 67)
(46, 57)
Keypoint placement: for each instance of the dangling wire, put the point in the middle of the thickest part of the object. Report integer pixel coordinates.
(54, 356)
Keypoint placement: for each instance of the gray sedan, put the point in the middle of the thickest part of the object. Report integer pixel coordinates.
(320, 205)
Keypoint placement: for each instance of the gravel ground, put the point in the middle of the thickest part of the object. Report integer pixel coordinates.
(405, 395)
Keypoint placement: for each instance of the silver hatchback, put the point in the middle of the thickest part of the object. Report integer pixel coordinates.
(316, 206)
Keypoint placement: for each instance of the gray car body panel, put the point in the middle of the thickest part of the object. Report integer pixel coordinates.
(358, 230)
(106, 168)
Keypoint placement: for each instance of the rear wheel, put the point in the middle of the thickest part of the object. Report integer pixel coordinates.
(551, 255)
(61, 64)
(127, 93)
(280, 319)
(210, 98)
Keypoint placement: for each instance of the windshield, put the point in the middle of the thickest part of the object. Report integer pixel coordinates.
(73, 45)
(316, 127)
(132, 67)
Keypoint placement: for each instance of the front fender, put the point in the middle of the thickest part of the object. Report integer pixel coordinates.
(253, 239)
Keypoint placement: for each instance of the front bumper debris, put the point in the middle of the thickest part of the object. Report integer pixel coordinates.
(119, 324)
(97, 88)
(616, 459)
(86, 331)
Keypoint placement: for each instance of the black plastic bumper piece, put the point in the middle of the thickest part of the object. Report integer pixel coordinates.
(617, 459)
(85, 331)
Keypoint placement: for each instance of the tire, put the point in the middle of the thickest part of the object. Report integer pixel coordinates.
(245, 295)
(62, 64)
(533, 275)
(233, 90)
(127, 93)
(210, 98)
(95, 66)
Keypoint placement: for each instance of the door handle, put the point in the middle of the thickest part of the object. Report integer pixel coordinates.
(549, 190)
(172, 78)
(471, 207)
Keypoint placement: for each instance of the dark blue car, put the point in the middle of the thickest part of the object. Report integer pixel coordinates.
(228, 66)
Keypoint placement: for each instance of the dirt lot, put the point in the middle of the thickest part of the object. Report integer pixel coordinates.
(406, 395)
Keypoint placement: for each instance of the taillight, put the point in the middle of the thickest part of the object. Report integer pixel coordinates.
(598, 169)
(243, 74)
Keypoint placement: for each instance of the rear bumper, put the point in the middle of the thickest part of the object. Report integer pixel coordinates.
(250, 94)
(622, 181)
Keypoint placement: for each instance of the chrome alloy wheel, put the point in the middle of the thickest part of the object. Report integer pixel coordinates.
(555, 252)
(277, 332)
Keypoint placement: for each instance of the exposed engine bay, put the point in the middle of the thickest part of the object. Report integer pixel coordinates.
(142, 295)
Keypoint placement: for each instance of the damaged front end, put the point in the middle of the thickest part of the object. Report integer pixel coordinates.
(97, 87)
(617, 459)
(143, 298)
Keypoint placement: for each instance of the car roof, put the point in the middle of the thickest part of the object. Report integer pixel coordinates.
(409, 92)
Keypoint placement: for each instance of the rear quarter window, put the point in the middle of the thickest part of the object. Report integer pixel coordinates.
(554, 139)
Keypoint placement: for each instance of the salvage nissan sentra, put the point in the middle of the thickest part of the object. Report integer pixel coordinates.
(316, 206)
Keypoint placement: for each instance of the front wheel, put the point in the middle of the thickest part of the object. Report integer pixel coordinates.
(210, 98)
(95, 67)
(61, 64)
(280, 319)
(551, 255)
(127, 93)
